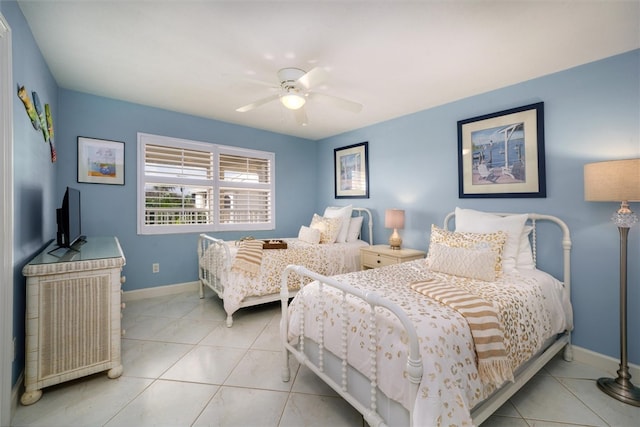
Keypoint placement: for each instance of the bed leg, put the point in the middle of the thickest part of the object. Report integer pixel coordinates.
(201, 290)
(568, 353)
(229, 321)
(286, 374)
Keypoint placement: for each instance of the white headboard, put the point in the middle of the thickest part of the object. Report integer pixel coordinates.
(368, 220)
(531, 220)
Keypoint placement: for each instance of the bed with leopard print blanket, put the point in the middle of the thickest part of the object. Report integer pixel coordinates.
(387, 342)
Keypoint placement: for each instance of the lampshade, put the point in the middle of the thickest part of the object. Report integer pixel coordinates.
(612, 181)
(292, 101)
(394, 218)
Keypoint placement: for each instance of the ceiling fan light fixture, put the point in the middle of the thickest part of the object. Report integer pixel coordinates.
(292, 101)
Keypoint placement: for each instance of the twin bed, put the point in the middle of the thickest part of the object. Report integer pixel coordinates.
(255, 279)
(440, 341)
(444, 340)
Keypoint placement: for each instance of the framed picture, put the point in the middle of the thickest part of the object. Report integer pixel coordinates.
(100, 161)
(502, 154)
(352, 171)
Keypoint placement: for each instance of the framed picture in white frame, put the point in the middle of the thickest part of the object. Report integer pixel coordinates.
(100, 161)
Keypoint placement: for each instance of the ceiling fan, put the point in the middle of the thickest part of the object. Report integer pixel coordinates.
(295, 89)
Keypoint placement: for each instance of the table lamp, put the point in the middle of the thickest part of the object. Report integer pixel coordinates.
(394, 218)
(617, 181)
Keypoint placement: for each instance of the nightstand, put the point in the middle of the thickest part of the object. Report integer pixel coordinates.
(380, 255)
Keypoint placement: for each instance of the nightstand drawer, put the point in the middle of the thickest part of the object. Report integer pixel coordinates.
(382, 255)
(372, 260)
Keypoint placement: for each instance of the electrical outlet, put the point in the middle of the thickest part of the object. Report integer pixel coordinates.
(156, 267)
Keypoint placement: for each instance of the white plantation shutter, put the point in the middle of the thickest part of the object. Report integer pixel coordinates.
(188, 186)
(245, 189)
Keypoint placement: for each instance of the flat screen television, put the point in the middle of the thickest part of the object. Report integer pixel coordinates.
(69, 219)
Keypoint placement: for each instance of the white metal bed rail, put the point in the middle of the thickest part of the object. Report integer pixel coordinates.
(414, 359)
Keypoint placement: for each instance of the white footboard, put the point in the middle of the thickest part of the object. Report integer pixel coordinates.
(344, 385)
(361, 391)
(214, 261)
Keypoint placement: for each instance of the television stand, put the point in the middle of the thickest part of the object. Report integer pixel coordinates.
(73, 314)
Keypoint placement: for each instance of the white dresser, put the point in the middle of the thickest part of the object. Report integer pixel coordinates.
(73, 314)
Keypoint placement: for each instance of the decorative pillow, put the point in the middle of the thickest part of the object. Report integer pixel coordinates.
(475, 264)
(329, 227)
(355, 225)
(525, 254)
(469, 220)
(492, 242)
(309, 235)
(340, 212)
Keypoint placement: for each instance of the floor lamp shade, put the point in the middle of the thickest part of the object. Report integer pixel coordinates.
(612, 181)
(617, 181)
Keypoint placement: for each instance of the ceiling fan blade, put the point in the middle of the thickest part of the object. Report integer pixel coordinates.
(345, 104)
(315, 77)
(261, 82)
(257, 103)
(301, 116)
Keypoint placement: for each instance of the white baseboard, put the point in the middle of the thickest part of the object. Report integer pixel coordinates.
(603, 362)
(159, 291)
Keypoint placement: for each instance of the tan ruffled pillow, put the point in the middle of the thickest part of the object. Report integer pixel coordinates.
(492, 242)
(329, 227)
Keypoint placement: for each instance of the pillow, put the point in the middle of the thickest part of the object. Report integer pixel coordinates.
(525, 254)
(309, 235)
(329, 227)
(475, 264)
(492, 242)
(340, 212)
(355, 225)
(469, 220)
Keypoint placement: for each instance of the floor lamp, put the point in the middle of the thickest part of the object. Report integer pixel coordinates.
(617, 181)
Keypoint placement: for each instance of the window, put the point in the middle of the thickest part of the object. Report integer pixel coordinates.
(188, 186)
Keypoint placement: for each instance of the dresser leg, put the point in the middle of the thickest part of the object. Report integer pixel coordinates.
(30, 397)
(115, 372)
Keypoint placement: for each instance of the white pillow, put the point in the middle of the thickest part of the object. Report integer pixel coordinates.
(475, 264)
(355, 225)
(469, 220)
(525, 255)
(329, 227)
(340, 212)
(309, 235)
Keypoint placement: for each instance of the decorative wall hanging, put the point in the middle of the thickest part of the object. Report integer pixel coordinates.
(502, 154)
(41, 119)
(47, 113)
(352, 171)
(28, 105)
(100, 161)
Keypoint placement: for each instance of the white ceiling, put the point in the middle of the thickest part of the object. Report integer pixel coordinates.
(394, 57)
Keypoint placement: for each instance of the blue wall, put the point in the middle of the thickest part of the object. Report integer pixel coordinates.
(34, 174)
(111, 209)
(592, 113)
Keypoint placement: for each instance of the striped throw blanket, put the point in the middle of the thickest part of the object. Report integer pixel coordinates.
(486, 330)
(248, 258)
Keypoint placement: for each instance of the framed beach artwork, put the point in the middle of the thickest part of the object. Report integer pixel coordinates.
(502, 154)
(100, 161)
(352, 171)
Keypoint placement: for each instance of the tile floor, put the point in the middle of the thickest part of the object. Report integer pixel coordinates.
(184, 367)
